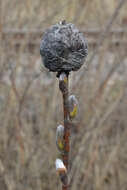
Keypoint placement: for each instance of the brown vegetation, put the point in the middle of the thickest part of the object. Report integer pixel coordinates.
(31, 104)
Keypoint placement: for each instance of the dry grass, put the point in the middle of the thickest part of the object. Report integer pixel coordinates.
(30, 105)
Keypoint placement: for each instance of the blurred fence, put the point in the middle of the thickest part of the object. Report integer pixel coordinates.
(31, 38)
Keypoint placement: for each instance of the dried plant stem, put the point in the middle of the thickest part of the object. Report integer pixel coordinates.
(63, 85)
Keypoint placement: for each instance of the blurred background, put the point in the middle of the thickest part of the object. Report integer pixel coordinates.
(31, 103)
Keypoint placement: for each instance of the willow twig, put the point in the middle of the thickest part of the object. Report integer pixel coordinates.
(63, 85)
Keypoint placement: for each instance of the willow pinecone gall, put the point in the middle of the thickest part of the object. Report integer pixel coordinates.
(63, 48)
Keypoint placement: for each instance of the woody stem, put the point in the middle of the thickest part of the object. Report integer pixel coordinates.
(63, 85)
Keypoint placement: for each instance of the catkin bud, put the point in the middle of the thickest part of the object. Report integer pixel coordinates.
(59, 138)
(73, 103)
(62, 171)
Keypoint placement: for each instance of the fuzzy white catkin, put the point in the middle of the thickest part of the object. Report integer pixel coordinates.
(72, 99)
(60, 131)
(60, 164)
(73, 104)
(59, 138)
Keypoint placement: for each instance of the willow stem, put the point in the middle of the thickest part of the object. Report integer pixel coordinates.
(63, 85)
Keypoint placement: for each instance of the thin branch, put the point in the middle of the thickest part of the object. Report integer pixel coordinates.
(63, 85)
(107, 28)
(104, 34)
